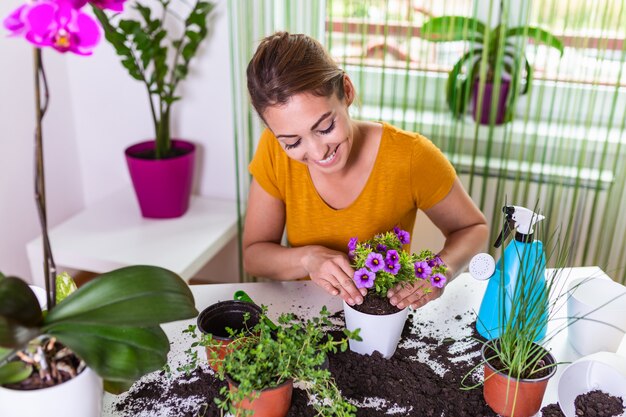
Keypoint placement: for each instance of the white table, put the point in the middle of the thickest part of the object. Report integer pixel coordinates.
(112, 234)
(305, 299)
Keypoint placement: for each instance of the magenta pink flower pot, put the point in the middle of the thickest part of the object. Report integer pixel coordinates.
(489, 100)
(162, 186)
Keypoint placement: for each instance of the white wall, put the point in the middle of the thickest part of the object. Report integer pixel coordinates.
(96, 111)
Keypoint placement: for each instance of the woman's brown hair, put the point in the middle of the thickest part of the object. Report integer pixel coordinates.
(286, 64)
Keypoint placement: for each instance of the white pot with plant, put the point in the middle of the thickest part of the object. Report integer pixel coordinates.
(54, 362)
(268, 359)
(381, 264)
(161, 169)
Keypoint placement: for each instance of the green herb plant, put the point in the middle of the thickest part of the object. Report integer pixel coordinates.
(492, 52)
(158, 61)
(264, 358)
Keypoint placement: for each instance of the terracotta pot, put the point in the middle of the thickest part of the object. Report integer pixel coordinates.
(80, 396)
(510, 397)
(215, 319)
(272, 402)
(162, 186)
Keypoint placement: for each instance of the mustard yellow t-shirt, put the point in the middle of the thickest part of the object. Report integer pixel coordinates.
(409, 173)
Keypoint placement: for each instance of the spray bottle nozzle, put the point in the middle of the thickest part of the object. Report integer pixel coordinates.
(520, 218)
(509, 224)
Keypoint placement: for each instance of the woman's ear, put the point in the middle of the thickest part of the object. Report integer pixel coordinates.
(348, 89)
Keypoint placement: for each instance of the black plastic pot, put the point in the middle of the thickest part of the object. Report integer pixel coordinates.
(215, 319)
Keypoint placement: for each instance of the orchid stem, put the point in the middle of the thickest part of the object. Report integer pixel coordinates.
(41, 86)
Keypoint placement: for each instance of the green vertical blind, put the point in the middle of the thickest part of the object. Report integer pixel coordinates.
(563, 149)
(251, 21)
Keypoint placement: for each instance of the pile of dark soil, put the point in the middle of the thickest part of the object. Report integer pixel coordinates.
(421, 379)
(598, 404)
(591, 404)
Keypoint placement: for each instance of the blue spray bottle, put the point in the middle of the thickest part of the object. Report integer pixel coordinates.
(520, 272)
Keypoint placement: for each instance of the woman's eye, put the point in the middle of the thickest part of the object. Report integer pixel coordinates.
(293, 145)
(330, 129)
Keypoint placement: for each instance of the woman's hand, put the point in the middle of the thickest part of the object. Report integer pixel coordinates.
(413, 295)
(331, 270)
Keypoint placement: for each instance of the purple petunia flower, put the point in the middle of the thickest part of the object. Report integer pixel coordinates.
(434, 262)
(364, 278)
(403, 236)
(380, 248)
(422, 269)
(375, 262)
(55, 24)
(438, 280)
(391, 267)
(352, 244)
(392, 257)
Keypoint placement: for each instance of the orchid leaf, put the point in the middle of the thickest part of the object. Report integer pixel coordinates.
(19, 303)
(538, 34)
(453, 28)
(131, 296)
(14, 372)
(14, 335)
(115, 353)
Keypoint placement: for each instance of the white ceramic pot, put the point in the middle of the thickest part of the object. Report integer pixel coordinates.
(41, 295)
(605, 371)
(78, 397)
(381, 333)
(600, 304)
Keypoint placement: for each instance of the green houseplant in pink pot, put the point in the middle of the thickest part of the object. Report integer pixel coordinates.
(161, 169)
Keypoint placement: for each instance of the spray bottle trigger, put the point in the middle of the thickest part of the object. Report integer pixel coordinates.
(509, 225)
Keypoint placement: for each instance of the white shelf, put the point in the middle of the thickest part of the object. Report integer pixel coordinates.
(112, 234)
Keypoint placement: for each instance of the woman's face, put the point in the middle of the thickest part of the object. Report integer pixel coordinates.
(314, 130)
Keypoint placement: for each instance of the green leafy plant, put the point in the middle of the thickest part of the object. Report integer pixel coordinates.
(492, 52)
(158, 61)
(111, 323)
(263, 357)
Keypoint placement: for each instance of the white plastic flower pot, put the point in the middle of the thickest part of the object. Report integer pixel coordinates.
(41, 295)
(379, 333)
(605, 371)
(78, 397)
(597, 312)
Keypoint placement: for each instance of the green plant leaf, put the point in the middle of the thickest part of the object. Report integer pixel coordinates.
(13, 372)
(453, 28)
(18, 303)
(65, 285)
(113, 352)
(538, 35)
(15, 335)
(456, 95)
(131, 296)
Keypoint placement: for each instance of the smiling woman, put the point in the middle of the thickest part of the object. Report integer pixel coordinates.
(327, 177)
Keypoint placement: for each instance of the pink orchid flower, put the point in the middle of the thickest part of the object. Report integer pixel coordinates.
(56, 24)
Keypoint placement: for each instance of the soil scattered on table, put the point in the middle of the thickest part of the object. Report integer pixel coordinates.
(422, 379)
(552, 410)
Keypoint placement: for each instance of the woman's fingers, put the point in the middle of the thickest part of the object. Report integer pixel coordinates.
(413, 295)
(344, 273)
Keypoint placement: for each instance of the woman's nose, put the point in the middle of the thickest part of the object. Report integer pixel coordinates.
(318, 150)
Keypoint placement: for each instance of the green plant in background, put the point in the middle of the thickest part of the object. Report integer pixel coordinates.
(264, 358)
(155, 59)
(492, 51)
(111, 323)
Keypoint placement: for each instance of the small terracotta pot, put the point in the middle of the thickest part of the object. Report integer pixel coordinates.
(216, 318)
(510, 397)
(272, 402)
